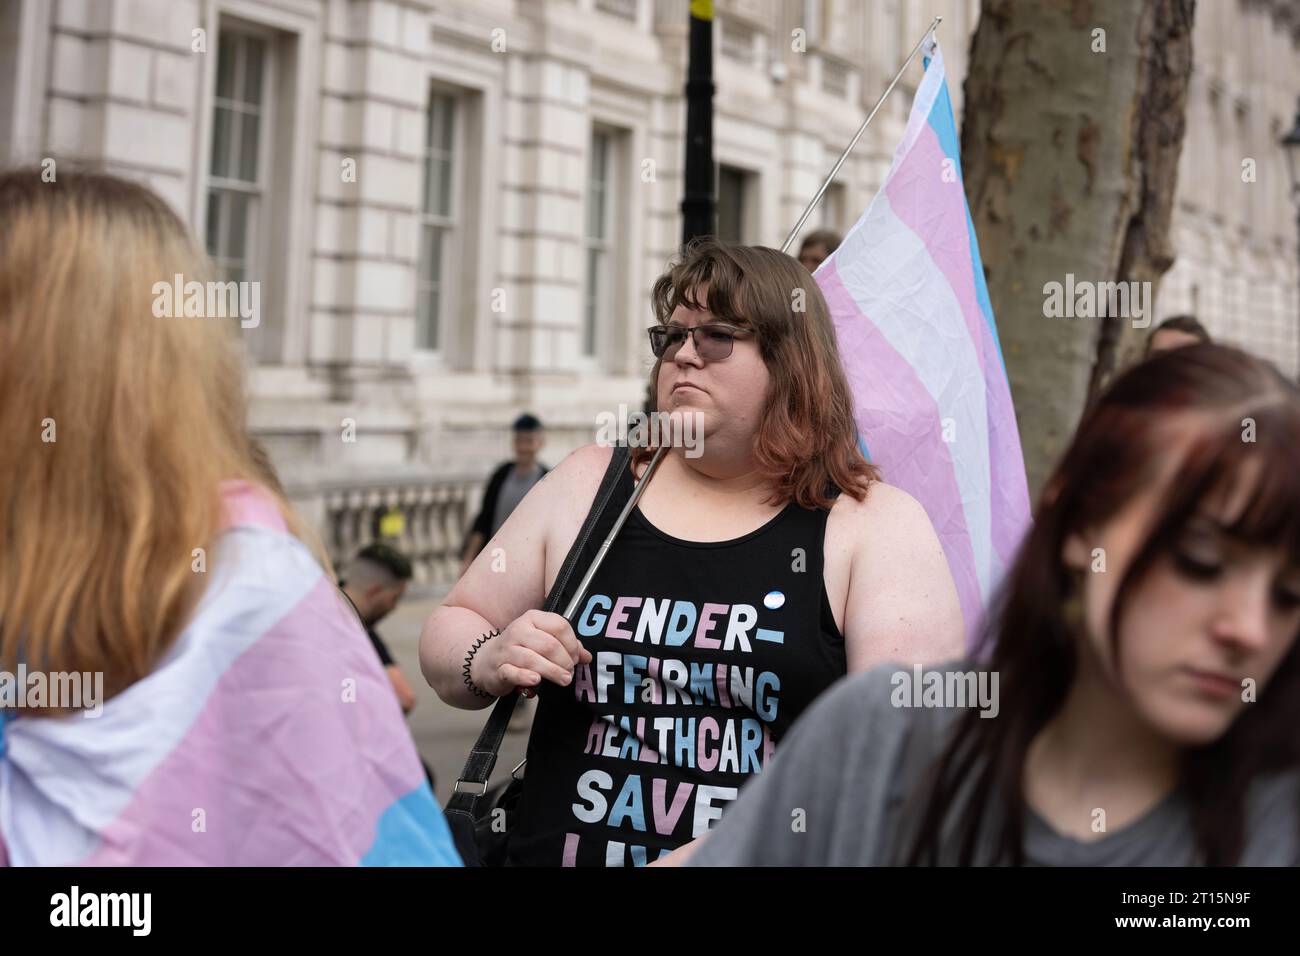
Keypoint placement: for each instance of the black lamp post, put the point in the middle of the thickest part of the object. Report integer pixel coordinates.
(1291, 147)
(697, 201)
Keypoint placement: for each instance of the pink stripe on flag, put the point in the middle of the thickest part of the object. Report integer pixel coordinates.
(880, 379)
(244, 503)
(283, 768)
(936, 211)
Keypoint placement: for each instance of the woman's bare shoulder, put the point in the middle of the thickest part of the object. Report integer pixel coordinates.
(884, 505)
(572, 485)
(578, 475)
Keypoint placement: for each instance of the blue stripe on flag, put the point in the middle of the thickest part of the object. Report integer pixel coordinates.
(945, 127)
(413, 832)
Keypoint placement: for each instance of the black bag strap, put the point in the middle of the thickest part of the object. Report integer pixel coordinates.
(483, 757)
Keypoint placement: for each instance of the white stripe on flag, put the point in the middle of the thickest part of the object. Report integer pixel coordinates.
(899, 288)
(89, 768)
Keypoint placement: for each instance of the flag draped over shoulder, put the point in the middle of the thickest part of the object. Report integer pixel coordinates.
(267, 735)
(920, 348)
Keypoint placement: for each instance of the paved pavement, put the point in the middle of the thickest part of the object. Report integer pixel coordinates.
(443, 734)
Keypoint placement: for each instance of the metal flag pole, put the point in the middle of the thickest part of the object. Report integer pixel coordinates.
(581, 591)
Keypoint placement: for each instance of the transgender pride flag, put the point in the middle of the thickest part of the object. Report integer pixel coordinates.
(268, 735)
(920, 349)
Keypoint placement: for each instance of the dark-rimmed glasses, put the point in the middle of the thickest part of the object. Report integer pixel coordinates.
(712, 342)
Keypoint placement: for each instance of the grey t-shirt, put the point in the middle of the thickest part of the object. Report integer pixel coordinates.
(512, 492)
(839, 792)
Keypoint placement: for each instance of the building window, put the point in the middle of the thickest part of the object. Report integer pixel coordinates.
(835, 77)
(13, 134)
(237, 179)
(738, 41)
(833, 208)
(625, 9)
(598, 232)
(732, 193)
(889, 30)
(437, 221)
(812, 20)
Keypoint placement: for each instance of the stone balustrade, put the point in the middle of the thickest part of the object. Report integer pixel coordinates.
(435, 512)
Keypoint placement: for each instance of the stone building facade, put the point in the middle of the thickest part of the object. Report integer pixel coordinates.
(455, 208)
(1234, 227)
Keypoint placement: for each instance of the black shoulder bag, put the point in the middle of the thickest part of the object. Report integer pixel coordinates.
(471, 809)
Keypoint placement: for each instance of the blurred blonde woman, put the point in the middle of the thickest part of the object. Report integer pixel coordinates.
(230, 710)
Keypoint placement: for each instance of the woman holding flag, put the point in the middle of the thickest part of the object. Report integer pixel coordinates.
(747, 581)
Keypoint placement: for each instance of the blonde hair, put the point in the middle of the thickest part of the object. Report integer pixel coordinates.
(119, 427)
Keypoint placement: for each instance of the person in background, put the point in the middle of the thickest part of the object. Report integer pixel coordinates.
(1176, 332)
(1146, 651)
(374, 582)
(816, 247)
(507, 486)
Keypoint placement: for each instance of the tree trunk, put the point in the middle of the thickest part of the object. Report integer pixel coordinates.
(1074, 121)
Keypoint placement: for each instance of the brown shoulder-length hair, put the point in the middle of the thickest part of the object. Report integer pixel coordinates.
(807, 442)
(1236, 410)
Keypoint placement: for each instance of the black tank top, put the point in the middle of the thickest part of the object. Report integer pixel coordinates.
(703, 655)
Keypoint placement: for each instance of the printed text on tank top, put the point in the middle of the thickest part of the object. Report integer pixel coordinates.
(837, 559)
(704, 653)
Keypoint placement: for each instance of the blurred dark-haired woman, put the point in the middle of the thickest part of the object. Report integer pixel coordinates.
(1143, 664)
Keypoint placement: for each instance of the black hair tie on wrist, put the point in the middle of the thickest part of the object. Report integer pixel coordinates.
(469, 660)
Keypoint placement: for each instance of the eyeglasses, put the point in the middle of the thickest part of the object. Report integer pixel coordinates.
(713, 343)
